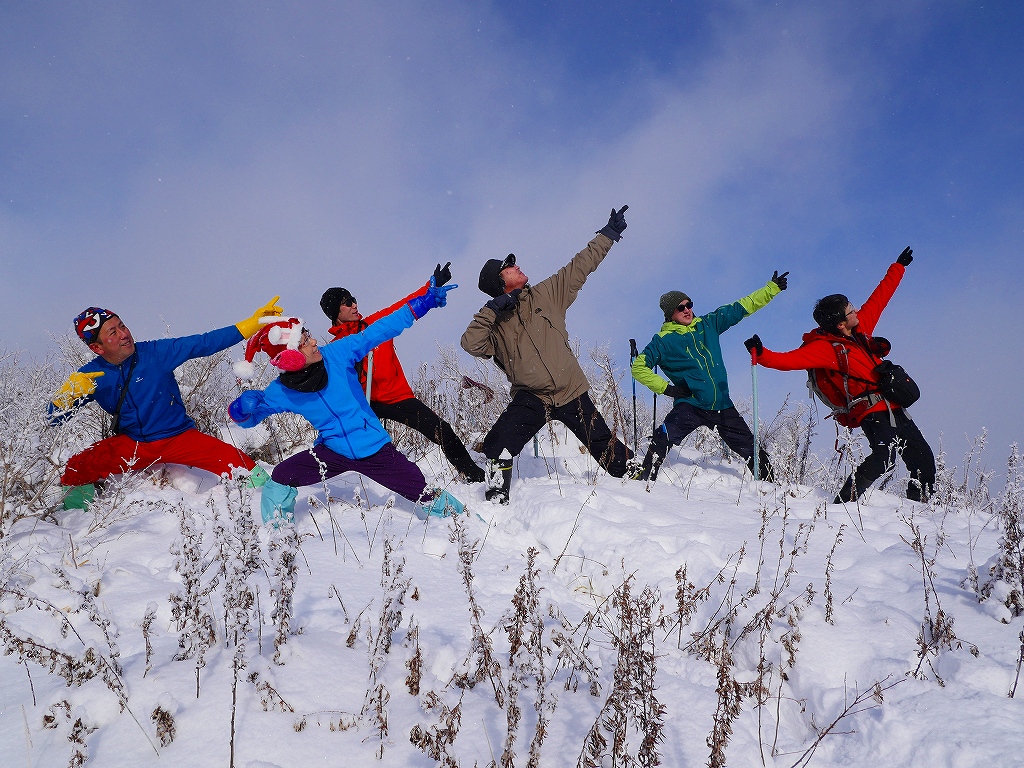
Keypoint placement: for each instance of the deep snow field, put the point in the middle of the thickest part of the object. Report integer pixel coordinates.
(592, 532)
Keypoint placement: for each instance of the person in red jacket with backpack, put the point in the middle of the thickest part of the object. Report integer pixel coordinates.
(389, 393)
(842, 356)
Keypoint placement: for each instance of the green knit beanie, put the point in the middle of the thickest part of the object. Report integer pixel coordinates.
(669, 302)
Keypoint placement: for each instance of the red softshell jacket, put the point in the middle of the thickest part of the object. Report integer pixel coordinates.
(389, 382)
(817, 350)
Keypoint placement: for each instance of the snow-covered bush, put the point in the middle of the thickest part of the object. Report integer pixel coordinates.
(32, 454)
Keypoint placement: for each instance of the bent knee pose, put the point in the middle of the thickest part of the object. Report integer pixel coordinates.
(389, 392)
(688, 351)
(523, 329)
(134, 381)
(323, 386)
(843, 356)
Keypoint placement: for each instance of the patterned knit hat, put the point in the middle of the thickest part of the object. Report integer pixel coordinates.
(669, 302)
(280, 339)
(89, 321)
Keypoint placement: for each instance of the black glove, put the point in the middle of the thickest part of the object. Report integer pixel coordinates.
(780, 280)
(754, 342)
(506, 302)
(616, 224)
(678, 390)
(442, 274)
(906, 257)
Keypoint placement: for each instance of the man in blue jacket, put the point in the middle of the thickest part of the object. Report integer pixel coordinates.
(135, 383)
(323, 386)
(688, 351)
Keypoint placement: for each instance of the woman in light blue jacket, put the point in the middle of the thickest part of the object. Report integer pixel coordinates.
(323, 386)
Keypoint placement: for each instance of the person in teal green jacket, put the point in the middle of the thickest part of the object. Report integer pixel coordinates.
(687, 351)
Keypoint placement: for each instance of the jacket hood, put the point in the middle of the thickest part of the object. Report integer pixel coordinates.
(673, 327)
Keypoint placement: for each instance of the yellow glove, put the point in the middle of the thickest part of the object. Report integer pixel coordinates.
(77, 386)
(250, 325)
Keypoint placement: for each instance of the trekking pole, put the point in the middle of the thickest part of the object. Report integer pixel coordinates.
(753, 376)
(369, 375)
(633, 356)
(654, 419)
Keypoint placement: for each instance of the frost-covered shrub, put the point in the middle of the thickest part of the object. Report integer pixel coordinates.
(1006, 575)
(32, 454)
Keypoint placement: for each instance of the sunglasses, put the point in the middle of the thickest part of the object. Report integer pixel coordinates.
(349, 302)
(684, 306)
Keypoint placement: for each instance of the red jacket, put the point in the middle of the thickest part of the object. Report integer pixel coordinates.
(389, 382)
(817, 350)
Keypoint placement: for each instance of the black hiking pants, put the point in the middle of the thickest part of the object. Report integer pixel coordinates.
(415, 414)
(526, 414)
(887, 442)
(685, 418)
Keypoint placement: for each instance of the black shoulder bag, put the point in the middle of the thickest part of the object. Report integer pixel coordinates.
(895, 384)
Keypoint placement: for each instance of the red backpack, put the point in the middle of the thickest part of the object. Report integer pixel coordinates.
(833, 387)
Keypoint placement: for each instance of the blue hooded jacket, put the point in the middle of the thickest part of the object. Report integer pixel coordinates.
(152, 408)
(339, 411)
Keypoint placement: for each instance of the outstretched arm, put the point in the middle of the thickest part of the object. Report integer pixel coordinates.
(816, 354)
(73, 393)
(250, 408)
(563, 286)
(880, 297)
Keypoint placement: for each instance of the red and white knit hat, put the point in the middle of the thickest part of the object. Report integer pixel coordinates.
(280, 339)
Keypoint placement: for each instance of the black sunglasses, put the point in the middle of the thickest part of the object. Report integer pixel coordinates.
(684, 306)
(350, 301)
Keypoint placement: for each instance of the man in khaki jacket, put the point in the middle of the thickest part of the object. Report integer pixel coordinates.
(523, 329)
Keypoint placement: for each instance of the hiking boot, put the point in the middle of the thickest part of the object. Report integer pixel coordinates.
(257, 477)
(277, 503)
(441, 504)
(473, 474)
(79, 496)
(634, 469)
(499, 478)
(497, 495)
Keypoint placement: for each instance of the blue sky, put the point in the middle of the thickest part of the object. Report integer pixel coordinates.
(182, 162)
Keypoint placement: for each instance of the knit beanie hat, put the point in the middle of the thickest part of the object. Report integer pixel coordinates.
(669, 301)
(280, 340)
(332, 300)
(490, 276)
(89, 321)
(830, 311)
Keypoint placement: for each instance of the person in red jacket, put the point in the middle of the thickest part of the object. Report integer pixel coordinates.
(389, 394)
(888, 427)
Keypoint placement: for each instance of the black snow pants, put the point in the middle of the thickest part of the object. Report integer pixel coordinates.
(526, 414)
(684, 418)
(415, 414)
(887, 442)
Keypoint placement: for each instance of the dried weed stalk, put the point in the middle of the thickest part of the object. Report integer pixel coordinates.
(632, 711)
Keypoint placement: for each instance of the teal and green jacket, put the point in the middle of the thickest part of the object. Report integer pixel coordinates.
(691, 354)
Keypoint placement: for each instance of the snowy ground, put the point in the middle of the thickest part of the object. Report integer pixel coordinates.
(592, 533)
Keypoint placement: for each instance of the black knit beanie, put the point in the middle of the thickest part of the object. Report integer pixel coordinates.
(332, 300)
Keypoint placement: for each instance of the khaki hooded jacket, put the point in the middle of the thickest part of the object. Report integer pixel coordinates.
(530, 343)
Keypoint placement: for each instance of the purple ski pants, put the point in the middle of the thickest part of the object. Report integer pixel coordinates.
(388, 466)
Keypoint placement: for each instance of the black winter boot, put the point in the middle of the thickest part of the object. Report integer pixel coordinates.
(499, 479)
(764, 467)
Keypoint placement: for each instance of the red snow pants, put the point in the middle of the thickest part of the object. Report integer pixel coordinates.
(120, 453)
